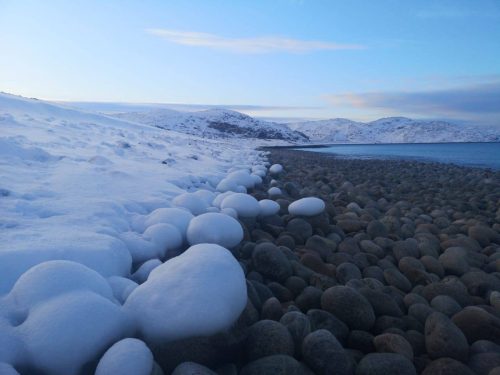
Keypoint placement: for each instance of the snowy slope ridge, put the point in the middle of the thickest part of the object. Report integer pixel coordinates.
(214, 123)
(94, 213)
(393, 130)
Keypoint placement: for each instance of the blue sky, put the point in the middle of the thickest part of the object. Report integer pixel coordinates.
(286, 58)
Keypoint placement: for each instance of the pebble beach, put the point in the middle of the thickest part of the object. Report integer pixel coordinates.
(399, 274)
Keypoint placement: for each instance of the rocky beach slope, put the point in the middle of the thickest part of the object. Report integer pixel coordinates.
(399, 274)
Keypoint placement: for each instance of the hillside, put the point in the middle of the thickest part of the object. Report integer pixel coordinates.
(393, 130)
(214, 123)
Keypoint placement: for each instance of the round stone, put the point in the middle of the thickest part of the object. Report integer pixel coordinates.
(266, 338)
(271, 262)
(277, 364)
(393, 343)
(385, 364)
(444, 339)
(325, 355)
(349, 306)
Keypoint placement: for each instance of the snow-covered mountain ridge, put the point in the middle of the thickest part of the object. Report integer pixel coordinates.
(214, 123)
(393, 130)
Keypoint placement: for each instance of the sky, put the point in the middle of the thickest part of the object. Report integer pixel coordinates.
(306, 59)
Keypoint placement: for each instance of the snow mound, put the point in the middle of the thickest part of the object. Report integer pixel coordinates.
(274, 191)
(244, 204)
(309, 206)
(200, 292)
(122, 287)
(191, 201)
(126, 357)
(268, 207)
(54, 278)
(66, 332)
(165, 237)
(7, 369)
(178, 217)
(215, 228)
(145, 269)
(275, 169)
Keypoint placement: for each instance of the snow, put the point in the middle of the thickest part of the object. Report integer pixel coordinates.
(122, 287)
(86, 200)
(145, 269)
(66, 332)
(54, 278)
(309, 206)
(275, 169)
(207, 294)
(274, 191)
(268, 207)
(245, 205)
(393, 130)
(165, 237)
(7, 369)
(126, 357)
(194, 203)
(215, 228)
(177, 217)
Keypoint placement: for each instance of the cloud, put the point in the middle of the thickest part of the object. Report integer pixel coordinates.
(264, 44)
(478, 102)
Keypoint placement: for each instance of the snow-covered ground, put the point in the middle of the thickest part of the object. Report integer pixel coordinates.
(84, 203)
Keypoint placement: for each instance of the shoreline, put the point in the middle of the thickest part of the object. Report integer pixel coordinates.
(399, 158)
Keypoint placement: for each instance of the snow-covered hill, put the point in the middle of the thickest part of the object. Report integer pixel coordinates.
(214, 123)
(393, 130)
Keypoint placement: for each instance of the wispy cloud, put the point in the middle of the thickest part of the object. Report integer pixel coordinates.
(264, 44)
(475, 102)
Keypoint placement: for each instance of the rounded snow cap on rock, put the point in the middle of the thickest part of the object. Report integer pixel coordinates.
(178, 217)
(214, 228)
(56, 277)
(126, 357)
(268, 207)
(307, 207)
(198, 293)
(194, 203)
(230, 212)
(244, 204)
(242, 177)
(165, 238)
(275, 169)
(274, 191)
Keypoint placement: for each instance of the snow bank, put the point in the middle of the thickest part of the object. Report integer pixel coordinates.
(86, 200)
(215, 228)
(200, 292)
(309, 206)
(126, 357)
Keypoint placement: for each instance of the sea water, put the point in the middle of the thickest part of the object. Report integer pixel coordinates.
(486, 155)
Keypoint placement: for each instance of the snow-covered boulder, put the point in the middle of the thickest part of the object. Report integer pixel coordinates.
(7, 369)
(244, 204)
(194, 203)
(145, 269)
(275, 169)
(219, 198)
(242, 177)
(309, 206)
(178, 217)
(274, 191)
(268, 207)
(226, 184)
(200, 292)
(206, 195)
(66, 332)
(230, 212)
(126, 357)
(215, 228)
(122, 287)
(51, 279)
(165, 238)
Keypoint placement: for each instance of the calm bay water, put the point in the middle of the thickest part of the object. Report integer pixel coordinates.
(469, 154)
